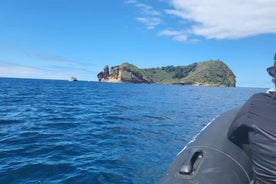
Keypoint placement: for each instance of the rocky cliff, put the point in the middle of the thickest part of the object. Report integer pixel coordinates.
(126, 73)
(208, 73)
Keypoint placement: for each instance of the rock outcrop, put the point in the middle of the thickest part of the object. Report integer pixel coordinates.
(73, 79)
(126, 73)
(104, 74)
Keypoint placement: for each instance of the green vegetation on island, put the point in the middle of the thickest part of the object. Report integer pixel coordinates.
(208, 73)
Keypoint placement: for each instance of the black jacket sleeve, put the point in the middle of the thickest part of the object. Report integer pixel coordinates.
(238, 131)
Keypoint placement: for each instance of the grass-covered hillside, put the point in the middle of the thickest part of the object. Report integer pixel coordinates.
(208, 73)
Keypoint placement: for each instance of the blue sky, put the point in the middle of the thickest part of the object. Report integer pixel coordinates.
(56, 39)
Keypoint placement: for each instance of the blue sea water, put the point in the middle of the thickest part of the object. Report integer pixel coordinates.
(88, 132)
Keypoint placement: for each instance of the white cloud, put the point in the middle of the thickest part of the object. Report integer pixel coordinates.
(222, 19)
(131, 1)
(176, 35)
(8, 69)
(149, 16)
(33, 64)
(147, 10)
(15, 70)
(150, 22)
(51, 58)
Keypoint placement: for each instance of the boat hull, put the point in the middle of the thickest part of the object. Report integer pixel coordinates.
(210, 158)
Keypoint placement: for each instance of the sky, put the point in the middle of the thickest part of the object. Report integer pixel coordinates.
(57, 39)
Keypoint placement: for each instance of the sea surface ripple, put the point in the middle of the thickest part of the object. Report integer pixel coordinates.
(88, 132)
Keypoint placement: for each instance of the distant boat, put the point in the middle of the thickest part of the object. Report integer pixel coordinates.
(73, 79)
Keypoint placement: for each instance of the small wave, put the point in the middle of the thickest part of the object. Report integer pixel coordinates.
(11, 121)
(37, 173)
(56, 132)
(158, 118)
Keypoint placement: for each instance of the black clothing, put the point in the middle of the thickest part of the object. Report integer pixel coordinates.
(255, 124)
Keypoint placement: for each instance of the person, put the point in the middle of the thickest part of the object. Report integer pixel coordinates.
(255, 125)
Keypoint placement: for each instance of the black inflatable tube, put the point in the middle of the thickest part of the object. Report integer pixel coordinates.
(210, 158)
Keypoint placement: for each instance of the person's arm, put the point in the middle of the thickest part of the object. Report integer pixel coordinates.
(238, 131)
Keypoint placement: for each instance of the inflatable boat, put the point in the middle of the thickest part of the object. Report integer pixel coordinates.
(210, 158)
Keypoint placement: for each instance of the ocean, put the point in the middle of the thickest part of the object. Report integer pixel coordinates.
(55, 131)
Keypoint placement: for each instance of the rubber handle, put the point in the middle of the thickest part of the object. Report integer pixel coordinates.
(189, 165)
